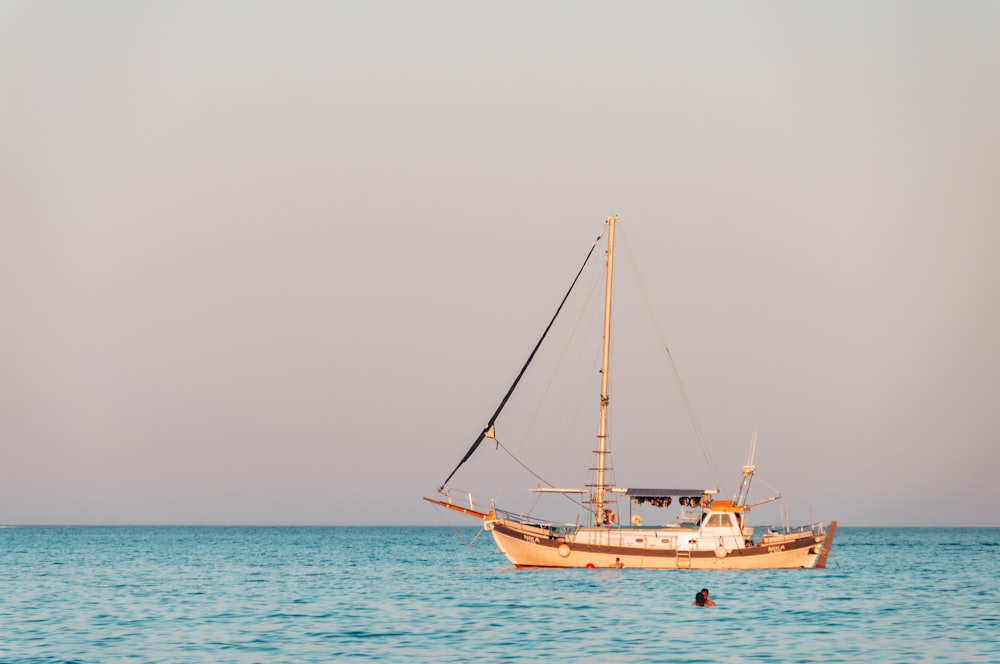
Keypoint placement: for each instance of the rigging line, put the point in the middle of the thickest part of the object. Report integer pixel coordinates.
(455, 530)
(673, 367)
(585, 395)
(536, 475)
(767, 484)
(585, 392)
(478, 533)
(556, 371)
(521, 463)
(517, 380)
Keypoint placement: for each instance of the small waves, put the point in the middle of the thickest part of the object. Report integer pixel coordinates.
(381, 594)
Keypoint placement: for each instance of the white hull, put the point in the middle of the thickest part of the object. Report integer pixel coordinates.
(650, 548)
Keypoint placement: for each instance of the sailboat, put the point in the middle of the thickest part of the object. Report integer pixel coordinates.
(710, 533)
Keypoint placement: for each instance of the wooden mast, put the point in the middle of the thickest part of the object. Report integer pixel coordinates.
(602, 427)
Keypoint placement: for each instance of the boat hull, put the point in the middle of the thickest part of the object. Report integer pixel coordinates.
(526, 545)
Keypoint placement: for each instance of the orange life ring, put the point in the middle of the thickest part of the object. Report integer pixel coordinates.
(609, 517)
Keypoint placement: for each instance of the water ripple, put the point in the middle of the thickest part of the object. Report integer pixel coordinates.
(381, 594)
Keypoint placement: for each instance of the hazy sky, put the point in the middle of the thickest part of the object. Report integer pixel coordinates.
(277, 263)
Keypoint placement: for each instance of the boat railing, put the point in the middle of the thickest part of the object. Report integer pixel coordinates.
(776, 532)
(467, 500)
(785, 530)
(556, 528)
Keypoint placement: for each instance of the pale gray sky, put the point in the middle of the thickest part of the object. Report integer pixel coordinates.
(276, 263)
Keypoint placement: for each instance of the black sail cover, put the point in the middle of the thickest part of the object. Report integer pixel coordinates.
(487, 430)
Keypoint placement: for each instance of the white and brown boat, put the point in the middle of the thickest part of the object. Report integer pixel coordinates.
(709, 533)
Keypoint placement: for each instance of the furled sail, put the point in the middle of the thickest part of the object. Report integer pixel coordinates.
(487, 431)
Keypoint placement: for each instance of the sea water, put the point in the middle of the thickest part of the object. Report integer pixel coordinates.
(180, 594)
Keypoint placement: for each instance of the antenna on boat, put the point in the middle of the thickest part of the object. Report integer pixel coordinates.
(743, 493)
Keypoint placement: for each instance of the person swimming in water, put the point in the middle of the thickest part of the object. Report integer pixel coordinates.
(701, 599)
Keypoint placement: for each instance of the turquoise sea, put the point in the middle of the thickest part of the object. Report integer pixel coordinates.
(318, 594)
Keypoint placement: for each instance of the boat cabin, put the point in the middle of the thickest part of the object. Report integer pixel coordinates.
(720, 521)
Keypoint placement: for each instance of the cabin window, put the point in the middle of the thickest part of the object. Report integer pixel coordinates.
(718, 521)
(639, 539)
